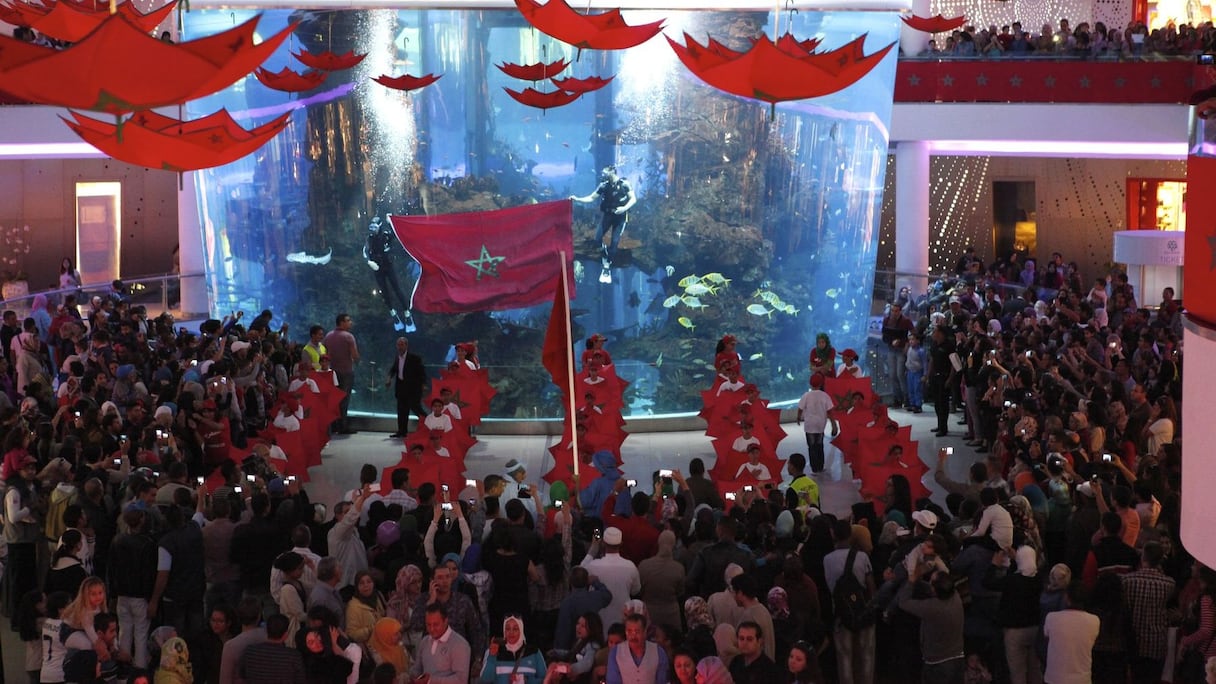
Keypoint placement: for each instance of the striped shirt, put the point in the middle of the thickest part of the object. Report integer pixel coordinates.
(271, 662)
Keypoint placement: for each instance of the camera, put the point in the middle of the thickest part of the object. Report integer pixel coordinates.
(1030, 354)
(599, 533)
(949, 451)
(730, 496)
(470, 482)
(1205, 59)
(237, 490)
(1107, 458)
(748, 488)
(117, 462)
(200, 479)
(631, 483)
(446, 506)
(665, 473)
(445, 488)
(558, 504)
(250, 478)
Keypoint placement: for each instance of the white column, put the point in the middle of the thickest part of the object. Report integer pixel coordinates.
(1198, 468)
(912, 213)
(190, 250)
(911, 41)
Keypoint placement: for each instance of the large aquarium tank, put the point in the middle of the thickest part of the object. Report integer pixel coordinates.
(750, 220)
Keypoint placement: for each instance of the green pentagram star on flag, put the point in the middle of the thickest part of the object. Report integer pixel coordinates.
(486, 264)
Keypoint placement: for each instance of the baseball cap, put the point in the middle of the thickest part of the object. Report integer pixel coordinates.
(926, 519)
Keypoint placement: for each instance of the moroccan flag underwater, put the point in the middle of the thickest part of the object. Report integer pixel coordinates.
(487, 260)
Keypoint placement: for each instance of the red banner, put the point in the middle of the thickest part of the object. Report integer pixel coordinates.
(1199, 272)
(1020, 80)
(487, 260)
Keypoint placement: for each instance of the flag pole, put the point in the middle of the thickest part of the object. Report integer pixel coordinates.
(569, 362)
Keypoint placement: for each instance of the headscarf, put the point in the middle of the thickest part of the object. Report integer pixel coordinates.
(724, 640)
(386, 642)
(1059, 578)
(711, 670)
(785, 524)
(778, 603)
(472, 559)
(402, 600)
(175, 659)
(558, 491)
(696, 613)
(667, 544)
(516, 646)
(1026, 560)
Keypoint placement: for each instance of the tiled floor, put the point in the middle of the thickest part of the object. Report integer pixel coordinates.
(642, 453)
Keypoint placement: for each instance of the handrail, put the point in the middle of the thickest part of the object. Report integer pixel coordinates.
(162, 278)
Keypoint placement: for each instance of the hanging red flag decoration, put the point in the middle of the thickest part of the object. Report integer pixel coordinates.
(772, 74)
(533, 72)
(581, 85)
(790, 45)
(99, 72)
(406, 82)
(71, 22)
(934, 24)
(604, 31)
(159, 142)
(289, 81)
(534, 98)
(328, 61)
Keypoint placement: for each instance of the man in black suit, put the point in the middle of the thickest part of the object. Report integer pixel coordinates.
(408, 377)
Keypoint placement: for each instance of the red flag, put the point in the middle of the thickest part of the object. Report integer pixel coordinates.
(556, 353)
(487, 260)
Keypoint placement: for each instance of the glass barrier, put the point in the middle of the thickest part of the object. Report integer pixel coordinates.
(157, 293)
(763, 227)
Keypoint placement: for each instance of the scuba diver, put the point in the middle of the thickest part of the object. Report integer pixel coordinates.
(378, 253)
(616, 197)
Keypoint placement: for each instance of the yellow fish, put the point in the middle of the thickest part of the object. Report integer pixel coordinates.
(688, 280)
(686, 322)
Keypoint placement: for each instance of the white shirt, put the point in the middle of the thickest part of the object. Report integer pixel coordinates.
(1070, 640)
(729, 386)
(453, 409)
(297, 383)
(308, 579)
(741, 443)
(814, 406)
(438, 422)
(396, 496)
(758, 471)
(621, 577)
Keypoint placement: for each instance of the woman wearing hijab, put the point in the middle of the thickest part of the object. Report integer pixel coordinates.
(700, 636)
(663, 582)
(510, 660)
(786, 627)
(386, 645)
(408, 588)
(174, 663)
(713, 670)
(325, 661)
(363, 609)
(1015, 575)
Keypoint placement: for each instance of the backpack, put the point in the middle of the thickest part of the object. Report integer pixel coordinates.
(850, 600)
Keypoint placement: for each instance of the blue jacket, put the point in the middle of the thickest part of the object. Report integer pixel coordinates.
(592, 498)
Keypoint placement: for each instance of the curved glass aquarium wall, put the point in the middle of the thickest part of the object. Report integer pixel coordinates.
(757, 223)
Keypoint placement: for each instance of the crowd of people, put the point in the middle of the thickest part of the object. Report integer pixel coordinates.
(1085, 40)
(151, 533)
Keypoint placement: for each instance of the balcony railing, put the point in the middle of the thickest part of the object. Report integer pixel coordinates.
(1043, 80)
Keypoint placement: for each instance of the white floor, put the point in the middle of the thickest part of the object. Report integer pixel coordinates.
(642, 454)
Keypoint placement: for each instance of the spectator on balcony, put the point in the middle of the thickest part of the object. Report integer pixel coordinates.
(1005, 37)
(1021, 44)
(1043, 43)
(965, 46)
